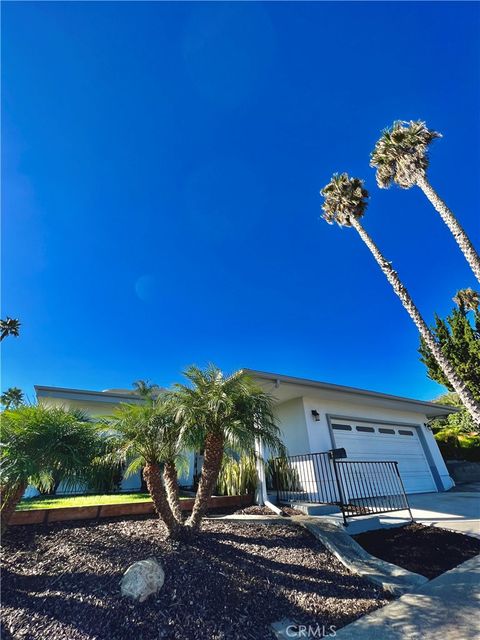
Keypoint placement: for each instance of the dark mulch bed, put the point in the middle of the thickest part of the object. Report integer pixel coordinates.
(61, 582)
(426, 550)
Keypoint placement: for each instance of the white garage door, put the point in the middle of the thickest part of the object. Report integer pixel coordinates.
(367, 441)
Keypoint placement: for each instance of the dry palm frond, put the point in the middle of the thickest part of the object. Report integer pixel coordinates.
(345, 198)
(401, 154)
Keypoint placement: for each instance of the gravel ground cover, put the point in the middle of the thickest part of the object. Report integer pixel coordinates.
(429, 551)
(61, 582)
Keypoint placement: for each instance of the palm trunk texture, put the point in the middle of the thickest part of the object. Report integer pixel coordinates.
(211, 467)
(452, 223)
(9, 501)
(170, 479)
(472, 406)
(153, 478)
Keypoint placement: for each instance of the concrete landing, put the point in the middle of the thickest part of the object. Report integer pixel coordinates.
(393, 579)
(446, 608)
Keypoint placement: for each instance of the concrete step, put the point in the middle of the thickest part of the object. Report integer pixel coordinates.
(310, 509)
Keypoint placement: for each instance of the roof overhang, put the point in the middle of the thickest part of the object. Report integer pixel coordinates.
(62, 393)
(285, 388)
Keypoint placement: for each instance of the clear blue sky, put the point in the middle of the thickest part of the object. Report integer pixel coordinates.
(161, 169)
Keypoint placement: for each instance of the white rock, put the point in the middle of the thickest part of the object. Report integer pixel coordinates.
(142, 579)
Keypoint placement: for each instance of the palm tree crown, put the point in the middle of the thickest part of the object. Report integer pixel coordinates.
(9, 327)
(232, 407)
(39, 443)
(467, 299)
(401, 154)
(38, 440)
(145, 389)
(142, 434)
(345, 198)
(12, 398)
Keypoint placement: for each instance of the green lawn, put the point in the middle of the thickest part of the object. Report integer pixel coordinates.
(52, 502)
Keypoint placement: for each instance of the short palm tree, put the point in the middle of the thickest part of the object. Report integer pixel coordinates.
(12, 398)
(147, 437)
(345, 203)
(219, 412)
(401, 157)
(37, 442)
(9, 327)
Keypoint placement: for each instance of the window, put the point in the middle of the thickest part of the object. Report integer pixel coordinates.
(405, 433)
(391, 431)
(342, 427)
(366, 429)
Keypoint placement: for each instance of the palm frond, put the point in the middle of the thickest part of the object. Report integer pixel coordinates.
(344, 198)
(401, 154)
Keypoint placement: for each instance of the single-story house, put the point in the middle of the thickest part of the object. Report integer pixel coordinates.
(317, 417)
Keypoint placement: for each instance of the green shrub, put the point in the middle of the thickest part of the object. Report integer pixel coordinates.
(237, 477)
(280, 475)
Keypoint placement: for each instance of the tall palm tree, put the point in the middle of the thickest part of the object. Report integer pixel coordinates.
(220, 411)
(147, 436)
(467, 299)
(9, 327)
(12, 398)
(401, 157)
(345, 203)
(36, 442)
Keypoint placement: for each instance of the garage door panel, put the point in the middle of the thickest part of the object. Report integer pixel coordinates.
(398, 443)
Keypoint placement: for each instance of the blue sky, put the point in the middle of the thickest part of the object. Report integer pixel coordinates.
(161, 164)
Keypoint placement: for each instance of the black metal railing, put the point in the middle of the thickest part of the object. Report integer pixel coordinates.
(358, 488)
(370, 487)
(305, 478)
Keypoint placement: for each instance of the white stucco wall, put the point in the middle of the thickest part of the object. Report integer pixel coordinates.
(292, 423)
(303, 434)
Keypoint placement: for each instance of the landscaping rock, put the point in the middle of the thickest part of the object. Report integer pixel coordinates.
(142, 579)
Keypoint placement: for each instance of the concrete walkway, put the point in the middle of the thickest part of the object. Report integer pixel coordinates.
(446, 608)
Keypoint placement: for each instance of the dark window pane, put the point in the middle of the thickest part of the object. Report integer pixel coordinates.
(367, 429)
(342, 427)
(386, 431)
(405, 433)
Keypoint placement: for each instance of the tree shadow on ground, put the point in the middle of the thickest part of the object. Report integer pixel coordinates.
(213, 586)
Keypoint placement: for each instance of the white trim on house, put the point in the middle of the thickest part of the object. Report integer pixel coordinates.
(431, 409)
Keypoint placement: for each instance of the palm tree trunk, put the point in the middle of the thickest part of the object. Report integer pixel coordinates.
(9, 501)
(153, 478)
(453, 224)
(472, 406)
(170, 479)
(212, 462)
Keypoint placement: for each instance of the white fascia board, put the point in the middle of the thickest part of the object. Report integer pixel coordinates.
(431, 409)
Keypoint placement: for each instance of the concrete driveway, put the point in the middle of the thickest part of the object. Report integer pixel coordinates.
(445, 608)
(457, 509)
